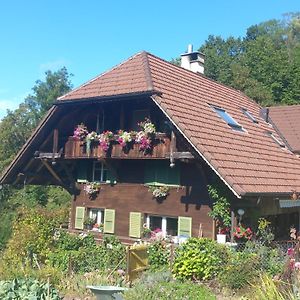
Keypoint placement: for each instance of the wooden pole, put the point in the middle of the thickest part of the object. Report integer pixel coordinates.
(232, 225)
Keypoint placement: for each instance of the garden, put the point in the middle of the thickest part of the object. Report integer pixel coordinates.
(50, 263)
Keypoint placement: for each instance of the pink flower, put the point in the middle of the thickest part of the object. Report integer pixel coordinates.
(297, 265)
(290, 252)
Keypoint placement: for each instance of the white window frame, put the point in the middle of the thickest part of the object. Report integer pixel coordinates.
(100, 214)
(163, 222)
(102, 168)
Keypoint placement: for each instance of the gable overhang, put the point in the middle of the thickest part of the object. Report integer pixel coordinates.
(13, 166)
(27, 150)
(237, 193)
(109, 98)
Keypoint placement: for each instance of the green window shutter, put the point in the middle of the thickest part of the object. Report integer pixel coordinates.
(185, 226)
(82, 171)
(162, 170)
(79, 217)
(110, 177)
(174, 175)
(149, 175)
(135, 224)
(109, 221)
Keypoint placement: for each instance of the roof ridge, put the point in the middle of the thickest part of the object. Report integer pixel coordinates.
(148, 75)
(281, 106)
(100, 75)
(199, 74)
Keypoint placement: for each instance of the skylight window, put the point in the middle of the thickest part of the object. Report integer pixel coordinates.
(227, 118)
(249, 115)
(277, 141)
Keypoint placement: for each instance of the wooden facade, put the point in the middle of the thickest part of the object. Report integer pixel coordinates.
(59, 159)
(187, 200)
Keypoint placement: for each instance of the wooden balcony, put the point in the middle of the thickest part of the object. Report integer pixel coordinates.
(77, 149)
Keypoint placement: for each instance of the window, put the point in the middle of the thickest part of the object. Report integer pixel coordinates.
(97, 214)
(160, 173)
(228, 119)
(99, 172)
(277, 141)
(249, 115)
(168, 225)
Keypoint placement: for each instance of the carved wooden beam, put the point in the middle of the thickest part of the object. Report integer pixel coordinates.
(51, 171)
(49, 155)
(55, 142)
(36, 173)
(180, 155)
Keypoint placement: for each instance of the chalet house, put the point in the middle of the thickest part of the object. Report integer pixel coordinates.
(195, 131)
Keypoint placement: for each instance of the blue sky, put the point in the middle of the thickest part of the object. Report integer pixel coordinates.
(89, 37)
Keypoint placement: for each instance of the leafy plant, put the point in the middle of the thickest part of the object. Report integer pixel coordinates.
(159, 191)
(27, 289)
(242, 234)
(240, 270)
(199, 258)
(221, 207)
(268, 260)
(268, 289)
(159, 255)
(162, 286)
(264, 231)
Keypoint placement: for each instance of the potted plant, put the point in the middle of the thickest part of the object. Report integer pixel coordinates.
(242, 234)
(146, 232)
(89, 223)
(220, 213)
(92, 188)
(146, 136)
(159, 192)
(80, 132)
(105, 138)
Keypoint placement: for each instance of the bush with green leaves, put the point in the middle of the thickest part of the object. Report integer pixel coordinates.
(32, 235)
(27, 289)
(269, 260)
(199, 259)
(80, 254)
(161, 285)
(158, 255)
(240, 270)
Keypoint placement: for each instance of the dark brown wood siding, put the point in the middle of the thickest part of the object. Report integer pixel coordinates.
(190, 200)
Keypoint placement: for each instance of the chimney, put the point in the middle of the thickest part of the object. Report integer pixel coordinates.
(193, 61)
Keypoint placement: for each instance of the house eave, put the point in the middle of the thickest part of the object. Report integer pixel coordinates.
(91, 100)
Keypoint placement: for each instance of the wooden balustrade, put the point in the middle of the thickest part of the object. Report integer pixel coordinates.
(77, 149)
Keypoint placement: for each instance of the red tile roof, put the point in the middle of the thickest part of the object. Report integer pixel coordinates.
(286, 119)
(129, 77)
(249, 162)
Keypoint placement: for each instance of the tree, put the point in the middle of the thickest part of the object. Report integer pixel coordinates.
(15, 129)
(264, 64)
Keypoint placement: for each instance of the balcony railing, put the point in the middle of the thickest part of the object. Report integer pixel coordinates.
(78, 149)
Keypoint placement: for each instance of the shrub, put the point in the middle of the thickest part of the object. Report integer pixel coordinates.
(80, 254)
(162, 286)
(240, 270)
(159, 255)
(36, 227)
(269, 260)
(27, 289)
(268, 289)
(199, 258)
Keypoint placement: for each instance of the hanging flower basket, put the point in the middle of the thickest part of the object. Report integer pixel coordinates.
(159, 192)
(80, 132)
(92, 188)
(105, 139)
